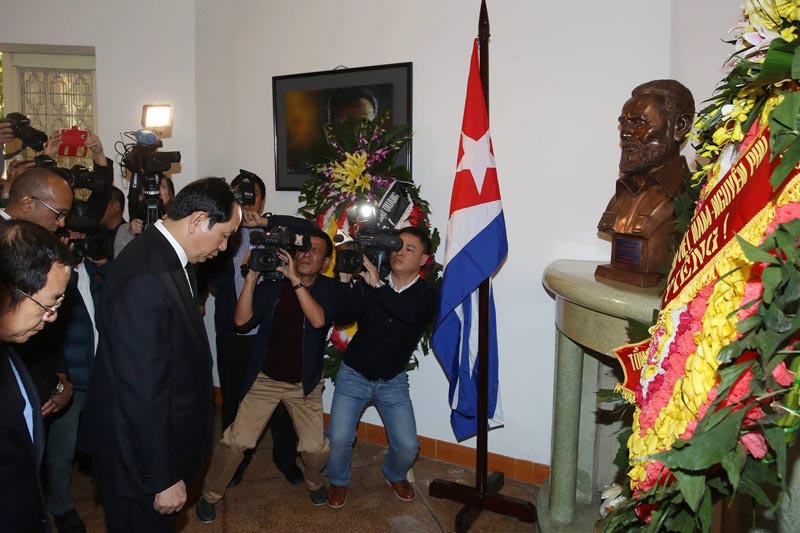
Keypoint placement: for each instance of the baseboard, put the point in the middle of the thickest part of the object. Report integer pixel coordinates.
(457, 454)
(448, 452)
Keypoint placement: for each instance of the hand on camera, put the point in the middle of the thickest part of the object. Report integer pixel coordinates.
(370, 273)
(251, 219)
(251, 274)
(288, 270)
(52, 144)
(93, 143)
(17, 167)
(6, 133)
(136, 226)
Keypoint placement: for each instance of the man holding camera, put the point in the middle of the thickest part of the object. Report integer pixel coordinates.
(293, 315)
(391, 316)
(233, 348)
(147, 419)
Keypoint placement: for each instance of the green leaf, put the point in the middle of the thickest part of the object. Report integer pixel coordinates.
(783, 123)
(789, 160)
(777, 441)
(706, 512)
(705, 449)
(637, 331)
(770, 278)
(778, 63)
(733, 462)
(756, 254)
(692, 486)
(775, 320)
(796, 64)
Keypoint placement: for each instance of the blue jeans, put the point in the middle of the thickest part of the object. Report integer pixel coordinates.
(59, 452)
(353, 392)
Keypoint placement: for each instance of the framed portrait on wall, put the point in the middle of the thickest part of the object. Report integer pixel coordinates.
(304, 103)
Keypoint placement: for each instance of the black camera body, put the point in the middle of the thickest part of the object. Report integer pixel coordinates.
(91, 191)
(264, 256)
(247, 187)
(30, 136)
(376, 244)
(146, 166)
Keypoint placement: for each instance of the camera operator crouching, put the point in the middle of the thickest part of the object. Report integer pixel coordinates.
(285, 366)
(391, 316)
(225, 282)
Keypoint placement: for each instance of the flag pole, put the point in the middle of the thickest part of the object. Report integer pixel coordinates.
(485, 494)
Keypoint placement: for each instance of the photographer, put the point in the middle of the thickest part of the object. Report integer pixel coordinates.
(127, 231)
(233, 348)
(293, 315)
(391, 317)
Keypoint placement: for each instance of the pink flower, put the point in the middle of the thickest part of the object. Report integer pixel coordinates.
(752, 291)
(784, 214)
(755, 444)
(783, 375)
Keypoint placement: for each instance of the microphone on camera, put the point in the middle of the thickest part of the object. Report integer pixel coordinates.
(145, 137)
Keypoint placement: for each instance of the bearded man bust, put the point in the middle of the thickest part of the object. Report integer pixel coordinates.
(640, 218)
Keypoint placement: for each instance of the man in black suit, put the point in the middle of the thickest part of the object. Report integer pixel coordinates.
(147, 419)
(34, 270)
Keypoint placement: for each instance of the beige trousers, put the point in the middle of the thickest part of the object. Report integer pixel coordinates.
(251, 419)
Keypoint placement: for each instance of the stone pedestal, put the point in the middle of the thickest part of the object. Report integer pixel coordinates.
(591, 319)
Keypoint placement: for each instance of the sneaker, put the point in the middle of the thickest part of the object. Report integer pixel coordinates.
(337, 496)
(403, 490)
(70, 522)
(206, 512)
(319, 496)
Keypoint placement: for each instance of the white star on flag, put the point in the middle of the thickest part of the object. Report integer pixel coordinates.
(477, 157)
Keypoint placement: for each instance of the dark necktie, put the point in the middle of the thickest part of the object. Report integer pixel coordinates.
(192, 280)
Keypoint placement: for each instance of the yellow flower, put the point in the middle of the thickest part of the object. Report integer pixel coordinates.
(351, 176)
(788, 34)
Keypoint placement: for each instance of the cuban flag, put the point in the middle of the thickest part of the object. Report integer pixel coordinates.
(475, 247)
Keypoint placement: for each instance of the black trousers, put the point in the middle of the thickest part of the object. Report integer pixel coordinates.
(135, 515)
(233, 356)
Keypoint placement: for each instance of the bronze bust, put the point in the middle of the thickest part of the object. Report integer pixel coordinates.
(640, 218)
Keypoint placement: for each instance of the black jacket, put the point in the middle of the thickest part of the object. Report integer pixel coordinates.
(329, 294)
(147, 419)
(22, 508)
(390, 325)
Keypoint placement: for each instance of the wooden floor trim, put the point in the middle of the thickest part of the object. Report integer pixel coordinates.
(457, 454)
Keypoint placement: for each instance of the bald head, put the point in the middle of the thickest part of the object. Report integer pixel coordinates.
(41, 196)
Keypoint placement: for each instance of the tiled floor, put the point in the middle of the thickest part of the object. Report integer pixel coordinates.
(264, 501)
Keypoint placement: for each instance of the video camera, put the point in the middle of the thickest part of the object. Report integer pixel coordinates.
(91, 191)
(247, 187)
(375, 237)
(30, 136)
(146, 166)
(264, 256)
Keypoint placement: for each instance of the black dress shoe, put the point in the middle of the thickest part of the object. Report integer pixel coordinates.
(206, 512)
(70, 522)
(293, 474)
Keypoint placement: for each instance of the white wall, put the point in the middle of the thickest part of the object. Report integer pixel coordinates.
(559, 75)
(145, 54)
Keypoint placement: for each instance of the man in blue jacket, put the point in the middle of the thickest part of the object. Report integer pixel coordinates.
(294, 315)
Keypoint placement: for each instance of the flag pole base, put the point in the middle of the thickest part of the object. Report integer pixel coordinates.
(475, 501)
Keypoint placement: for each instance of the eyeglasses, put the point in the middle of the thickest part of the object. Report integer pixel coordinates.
(59, 214)
(48, 311)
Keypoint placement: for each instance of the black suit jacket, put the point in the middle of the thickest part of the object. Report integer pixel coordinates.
(147, 420)
(22, 507)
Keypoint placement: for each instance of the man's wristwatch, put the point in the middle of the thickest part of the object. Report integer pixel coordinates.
(59, 388)
(298, 285)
